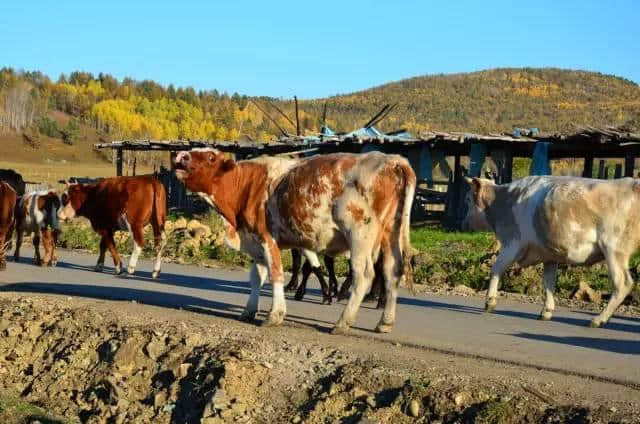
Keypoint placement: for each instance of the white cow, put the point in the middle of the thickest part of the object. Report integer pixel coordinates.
(560, 220)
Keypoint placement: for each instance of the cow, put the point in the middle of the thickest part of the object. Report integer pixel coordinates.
(37, 213)
(312, 265)
(377, 287)
(8, 199)
(14, 180)
(329, 204)
(559, 220)
(121, 203)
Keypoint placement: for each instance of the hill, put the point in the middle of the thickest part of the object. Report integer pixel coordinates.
(42, 121)
(495, 100)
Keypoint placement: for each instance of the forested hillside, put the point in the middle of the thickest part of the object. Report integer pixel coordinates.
(489, 101)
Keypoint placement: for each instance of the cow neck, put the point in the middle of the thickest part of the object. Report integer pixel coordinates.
(237, 193)
(493, 197)
(227, 193)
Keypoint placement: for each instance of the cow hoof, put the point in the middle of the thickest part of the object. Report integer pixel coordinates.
(490, 306)
(384, 328)
(340, 330)
(98, 268)
(247, 317)
(274, 320)
(155, 274)
(290, 288)
(16, 259)
(326, 300)
(54, 263)
(596, 323)
(545, 316)
(299, 296)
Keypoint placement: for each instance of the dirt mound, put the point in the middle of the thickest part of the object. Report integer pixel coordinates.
(95, 366)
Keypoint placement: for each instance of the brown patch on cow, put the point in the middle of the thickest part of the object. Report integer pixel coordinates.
(356, 212)
(8, 198)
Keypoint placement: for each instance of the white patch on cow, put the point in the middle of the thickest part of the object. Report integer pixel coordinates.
(133, 260)
(158, 262)
(312, 258)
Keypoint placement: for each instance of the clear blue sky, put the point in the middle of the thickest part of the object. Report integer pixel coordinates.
(315, 48)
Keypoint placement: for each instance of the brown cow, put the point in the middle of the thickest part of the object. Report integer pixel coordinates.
(328, 204)
(37, 213)
(122, 203)
(8, 199)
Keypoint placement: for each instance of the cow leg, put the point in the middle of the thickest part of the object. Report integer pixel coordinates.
(54, 243)
(16, 253)
(326, 288)
(276, 276)
(362, 274)
(296, 258)
(103, 248)
(549, 278)
(111, 245)
(346, 284)
(506, 257)
(330, 262)
(36, 247)
(391, 271)
(160, 243)
(3, 259)
(137, 236)
(302, 288)
(622, 285)
(258, 276)
(46, 244)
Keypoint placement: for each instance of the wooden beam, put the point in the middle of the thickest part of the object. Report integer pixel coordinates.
(629, 164)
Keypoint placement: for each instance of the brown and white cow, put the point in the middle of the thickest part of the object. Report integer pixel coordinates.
(560, 220)
(37, 214)
(8, 199)
(122, 203)
(328, 204)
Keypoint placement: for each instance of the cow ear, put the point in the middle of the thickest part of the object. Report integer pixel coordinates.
(227, 165)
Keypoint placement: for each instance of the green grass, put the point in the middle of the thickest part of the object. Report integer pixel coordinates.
(16, 411)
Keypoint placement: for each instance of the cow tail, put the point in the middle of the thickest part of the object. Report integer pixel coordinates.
(160, 204)
(409, 180)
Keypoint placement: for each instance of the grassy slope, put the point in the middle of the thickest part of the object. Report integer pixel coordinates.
(491, 101)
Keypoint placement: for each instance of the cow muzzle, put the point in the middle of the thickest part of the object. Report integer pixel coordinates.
(181, 164)
(66, 213)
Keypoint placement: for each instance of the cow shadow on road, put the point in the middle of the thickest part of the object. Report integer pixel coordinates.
(476, 310)
(630, 347)
(147, 297)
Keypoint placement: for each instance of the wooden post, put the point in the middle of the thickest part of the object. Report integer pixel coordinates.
(618, 171)
(298, 132)
(119, 155)
(629, 163)
(601, 170)
(587, 171)
(135, 160)
(452, 207)
(508, 167)
(606, 173)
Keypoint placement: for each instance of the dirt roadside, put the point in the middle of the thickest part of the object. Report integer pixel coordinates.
(118, 362)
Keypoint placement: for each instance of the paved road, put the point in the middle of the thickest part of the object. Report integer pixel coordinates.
(450, 323)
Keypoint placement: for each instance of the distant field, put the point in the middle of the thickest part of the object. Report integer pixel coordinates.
(52, 172)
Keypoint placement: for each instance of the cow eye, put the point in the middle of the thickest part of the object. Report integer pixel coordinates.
(211, 158)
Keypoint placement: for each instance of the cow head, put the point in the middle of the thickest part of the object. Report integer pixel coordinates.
(200, 169)
(477, 199)
(50, 205)
(72, 200)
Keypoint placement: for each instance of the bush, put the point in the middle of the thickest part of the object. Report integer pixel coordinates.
(70, 132)
(48, 127)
